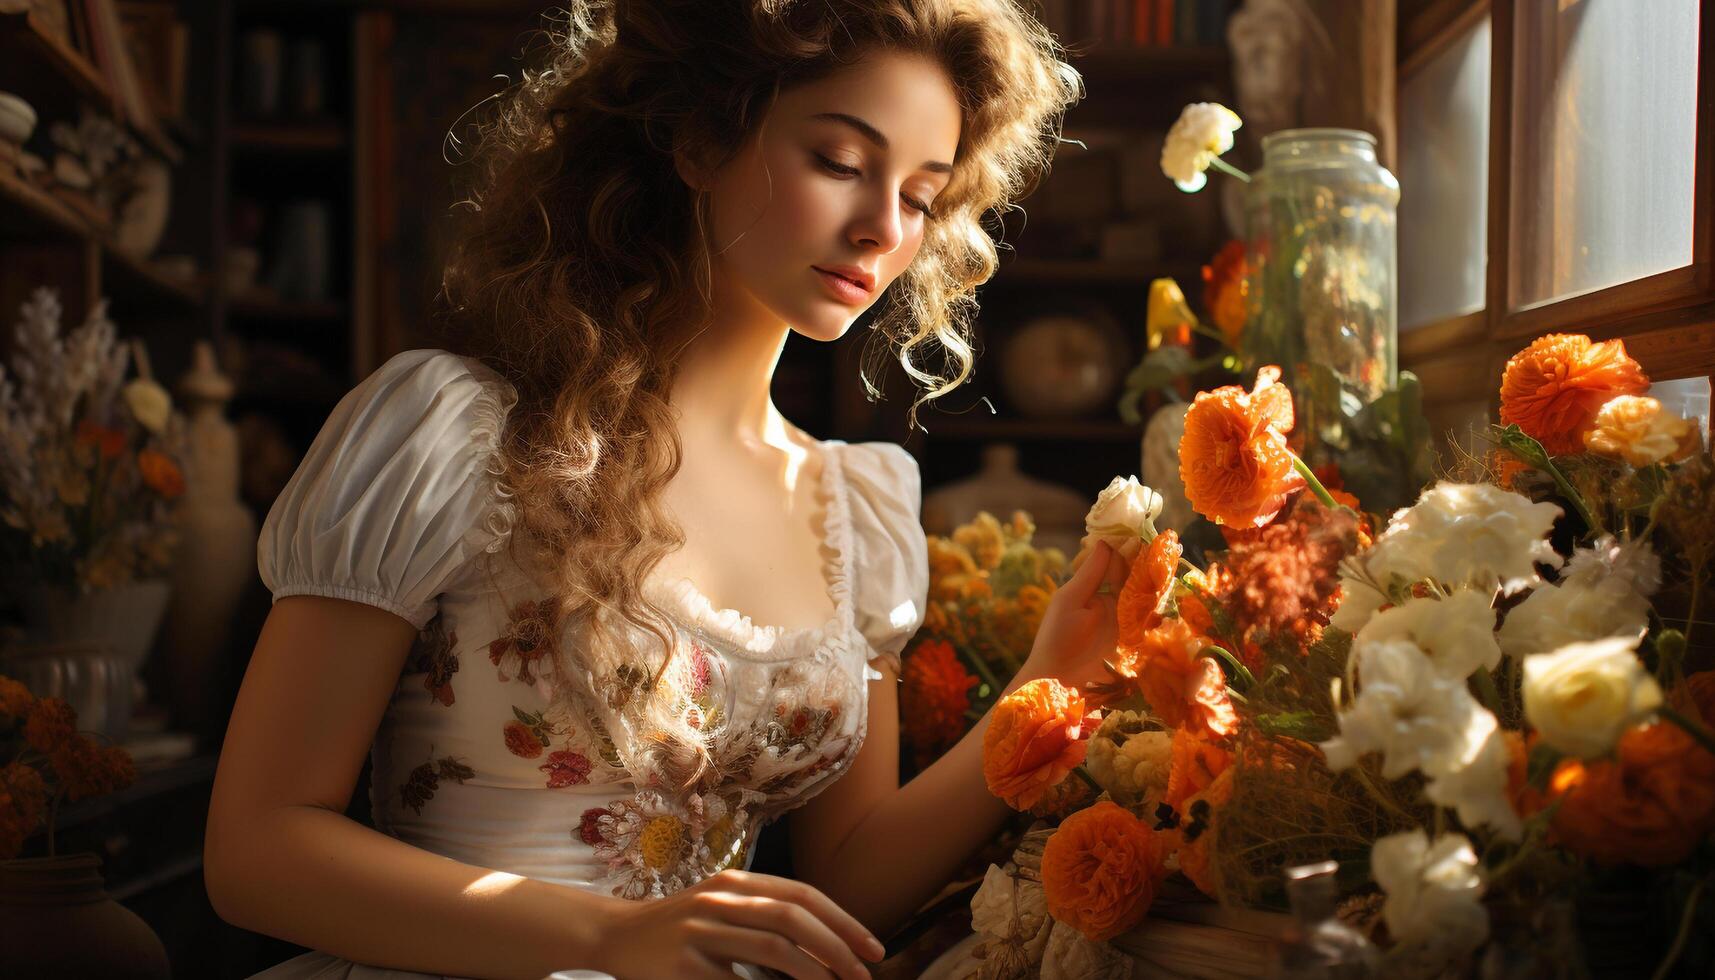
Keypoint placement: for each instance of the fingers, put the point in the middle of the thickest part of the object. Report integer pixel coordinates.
(819, 906)
(763, 948)
(1082, 586)
(796, 926)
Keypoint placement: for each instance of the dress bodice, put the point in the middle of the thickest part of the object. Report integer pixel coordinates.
(490, 754)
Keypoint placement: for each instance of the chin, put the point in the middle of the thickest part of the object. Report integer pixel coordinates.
(822, 327)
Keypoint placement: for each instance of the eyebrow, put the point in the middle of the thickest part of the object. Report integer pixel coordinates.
(874, 136)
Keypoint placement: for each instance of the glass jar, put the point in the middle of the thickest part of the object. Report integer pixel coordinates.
(1319, 944)
(1323, 300)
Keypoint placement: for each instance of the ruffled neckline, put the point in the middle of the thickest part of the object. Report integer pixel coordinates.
(691, 609)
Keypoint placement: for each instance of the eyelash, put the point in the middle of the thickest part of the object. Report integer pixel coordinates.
(843, 170)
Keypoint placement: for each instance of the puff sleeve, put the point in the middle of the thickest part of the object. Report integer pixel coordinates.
(891, 553)
(395, 495)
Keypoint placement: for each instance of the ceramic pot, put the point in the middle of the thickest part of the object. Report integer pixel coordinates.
(123, 619)
(57, 921)
(1062, 366)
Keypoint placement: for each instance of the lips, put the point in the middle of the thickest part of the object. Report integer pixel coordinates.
(857, 277)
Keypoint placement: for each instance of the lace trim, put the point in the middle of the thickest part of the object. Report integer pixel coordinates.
(735, 631)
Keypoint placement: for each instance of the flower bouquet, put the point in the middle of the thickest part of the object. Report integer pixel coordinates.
(988, 588)
(47, 760)
(88, 461)
(1493, 710)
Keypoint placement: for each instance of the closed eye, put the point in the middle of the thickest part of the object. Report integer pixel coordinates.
(845, 171)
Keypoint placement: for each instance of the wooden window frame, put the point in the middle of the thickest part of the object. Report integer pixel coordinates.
(1667, 319)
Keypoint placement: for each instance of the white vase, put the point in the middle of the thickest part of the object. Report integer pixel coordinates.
(124, 619)
(1161, 464)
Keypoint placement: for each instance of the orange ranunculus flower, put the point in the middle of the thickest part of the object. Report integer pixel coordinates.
(1649, 806)
(1639, 431)
(1194, 766)
(23, 800)
(934, 694)
(85, 769)
(1146, 585)
(1037, 735)
(109, 442)
(160, 473)
(1183, 688)
(50, 724)
(1100, 870)
(1554, 388)
(15, 699)
(1526, 800)
(1233, 458)
(1197, 829)
(1696, 696)
(1225, 291)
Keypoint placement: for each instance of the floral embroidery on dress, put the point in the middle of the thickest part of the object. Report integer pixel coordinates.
(432, 654)
(566, 768)
(419, 788)
(655, 845)
(530, 733)
(531, 630)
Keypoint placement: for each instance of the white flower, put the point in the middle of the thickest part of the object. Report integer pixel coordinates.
(1072, 957)
(1456, 633)
(1123, 516)
(1434, 891)
(1408, 711)
(150, 404)
(1634, 563)
(1467, 534)
(1477, 786)
(1359, 600)
(1583, 696)
(1557, 615)
(1009, 908)
(1638, 430)
(1203, 131)
(1130, 766)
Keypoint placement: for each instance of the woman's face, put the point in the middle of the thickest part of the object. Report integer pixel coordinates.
(836, 181)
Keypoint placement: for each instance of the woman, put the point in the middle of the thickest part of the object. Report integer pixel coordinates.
(513, 570)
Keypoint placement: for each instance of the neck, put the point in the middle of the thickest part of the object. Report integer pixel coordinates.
(724, 378)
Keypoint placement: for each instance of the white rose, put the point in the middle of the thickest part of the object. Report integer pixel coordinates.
(1203, 131)
(1456, 633)
(1583, 696)
(1467, 534)
(1123, 516)
(1434, 891)
(1555, 616)
(1477, 786)
(1409, 712)
(150, 404)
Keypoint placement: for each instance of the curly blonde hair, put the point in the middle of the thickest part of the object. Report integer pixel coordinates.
(582, 268)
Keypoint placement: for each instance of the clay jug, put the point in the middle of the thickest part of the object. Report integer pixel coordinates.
(57, 921)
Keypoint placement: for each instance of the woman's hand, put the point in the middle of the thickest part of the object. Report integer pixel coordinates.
(1082, 622)
(737, 917)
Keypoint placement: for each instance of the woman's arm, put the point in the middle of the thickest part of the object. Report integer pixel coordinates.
(282, 859)
(880, 849)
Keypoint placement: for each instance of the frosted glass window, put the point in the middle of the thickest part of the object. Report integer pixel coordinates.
(1444, 183)
(1604, 144)
(1686, 397)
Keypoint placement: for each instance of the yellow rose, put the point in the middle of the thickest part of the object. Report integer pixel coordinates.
(1638, 430)
(150, 404)
(1583, 696)
(1203, 131)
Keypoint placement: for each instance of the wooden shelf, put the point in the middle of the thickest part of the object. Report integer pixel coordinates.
(32, 214)
(125, 276)
(54, 77)
(320, 136)
(1186, 63)
(988, 428)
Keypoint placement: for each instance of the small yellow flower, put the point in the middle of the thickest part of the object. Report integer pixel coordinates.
(1167, 313)
(1638, 430)
(150, 404)
(983, 539)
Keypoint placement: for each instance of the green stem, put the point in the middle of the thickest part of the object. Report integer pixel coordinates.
(1238, 668)
(1228, 169)
(1691, 728)
(1084, 774)
(1486, 690)
(986, 675)
(1577, 498)
(1691, 613)
(1315, 485)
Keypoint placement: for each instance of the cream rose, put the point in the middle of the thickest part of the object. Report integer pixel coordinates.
(1583, 696)
(1123, 516)
(150, 404)
(1203, 131)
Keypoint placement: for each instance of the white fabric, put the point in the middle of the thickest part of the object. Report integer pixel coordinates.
(397, 505)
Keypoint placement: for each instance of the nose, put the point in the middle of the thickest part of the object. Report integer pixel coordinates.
(879, 226)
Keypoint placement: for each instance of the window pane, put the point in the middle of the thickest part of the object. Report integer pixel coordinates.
(1686, 397)
(1444, 182)
(1604, 144)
